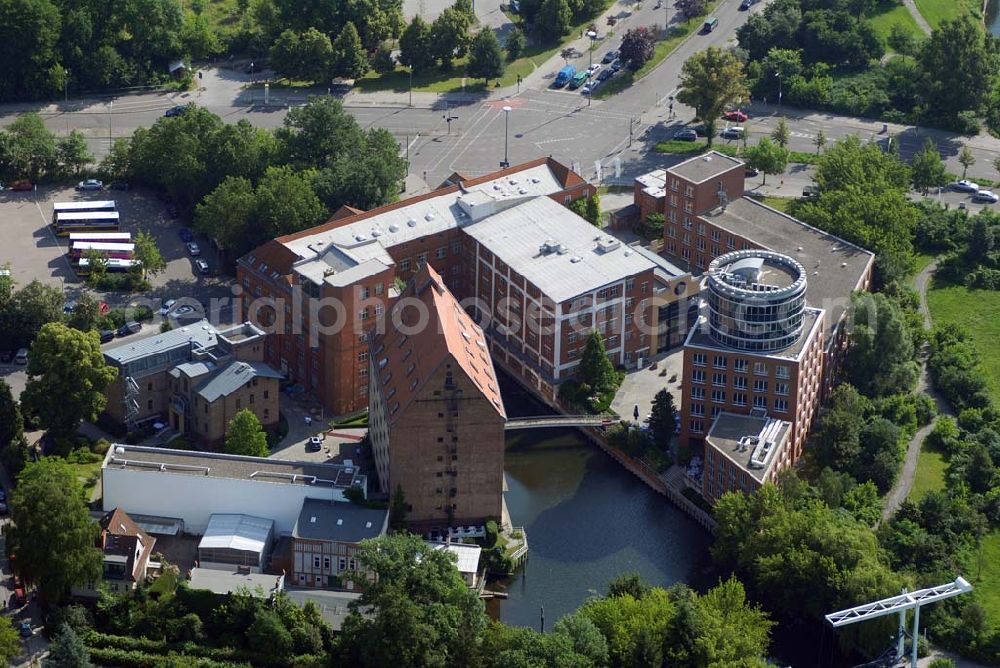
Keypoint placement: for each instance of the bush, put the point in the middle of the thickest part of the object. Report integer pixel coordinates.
(492, 533)
(940, 662)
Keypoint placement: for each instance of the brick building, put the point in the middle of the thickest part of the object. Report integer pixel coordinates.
(436, 418)
(126, 551)
(326, 540)
(194, 379)
(319, 293)
(745, 355)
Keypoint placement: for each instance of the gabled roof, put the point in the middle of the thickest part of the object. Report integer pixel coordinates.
(338, 522)
(120, 537)
(234, 376)
(406, 362)
(245, 533)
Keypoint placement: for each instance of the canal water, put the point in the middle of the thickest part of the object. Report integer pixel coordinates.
(993, 17)
(587, 520)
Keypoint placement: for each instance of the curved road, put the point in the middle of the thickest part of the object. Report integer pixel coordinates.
(901, 489)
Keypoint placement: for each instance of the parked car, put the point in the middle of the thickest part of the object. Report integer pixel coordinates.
(985, 196)
(107, 335)
(167, 305)
(182, 311)
(747, 4)
(201, 265)
(810, 192)
(594, 68)
(965, 186)
(185, 234)
(22, 185)
(26, 631)
(21, 356)
(175, 111)
(6, 356)
(616, 66)
(735, 132)
(700, 129)
(315, 444)
(3, 507)
(193, 248)
(687, 134)
(609, 57)
(751, 172)
(90, 184)
(605, 75)
(130, 327)
(736, 115)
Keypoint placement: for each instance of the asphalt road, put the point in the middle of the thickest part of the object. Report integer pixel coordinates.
(542, 121)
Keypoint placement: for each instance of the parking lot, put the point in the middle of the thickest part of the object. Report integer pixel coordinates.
(34, 252)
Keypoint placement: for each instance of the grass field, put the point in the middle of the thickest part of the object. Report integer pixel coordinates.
(979, 312)
(780, 203)
(930, 473)
(935, 11)
(221, 14)
(88, 475)
(892, 14)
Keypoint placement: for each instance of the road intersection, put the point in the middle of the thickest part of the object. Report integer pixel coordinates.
(620, 130)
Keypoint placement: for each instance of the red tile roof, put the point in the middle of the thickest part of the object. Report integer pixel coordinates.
(121, 536)
(448, 333)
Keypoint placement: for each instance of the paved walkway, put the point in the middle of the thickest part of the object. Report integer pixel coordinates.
(917, 16)
(901, 489)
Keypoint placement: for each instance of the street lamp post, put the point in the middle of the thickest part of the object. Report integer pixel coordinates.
(590, 87)
(778, 74)
(111, 107)
(411, 86)
(506, 126)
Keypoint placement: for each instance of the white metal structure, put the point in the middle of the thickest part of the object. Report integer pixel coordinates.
(899, 605)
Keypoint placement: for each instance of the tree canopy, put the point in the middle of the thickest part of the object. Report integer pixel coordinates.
(244, 435)
(66, 378)
(710, 81)
(48, 509)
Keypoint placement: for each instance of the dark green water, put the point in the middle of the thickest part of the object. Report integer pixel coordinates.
(587, 520)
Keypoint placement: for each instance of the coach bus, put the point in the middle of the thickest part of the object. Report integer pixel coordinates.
(120, 251)
(83, 207)
(101, 237)
(113, 264)
(104, 221)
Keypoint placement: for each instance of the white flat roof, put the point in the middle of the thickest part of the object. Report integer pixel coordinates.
(345, 254)
(467, 555)
(237, 532)
(588, 259)
(225, 582)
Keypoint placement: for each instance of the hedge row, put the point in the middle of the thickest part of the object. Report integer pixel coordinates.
(99, 640)
(111, 656)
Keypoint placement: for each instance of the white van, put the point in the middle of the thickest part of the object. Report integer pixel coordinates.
(21, 357)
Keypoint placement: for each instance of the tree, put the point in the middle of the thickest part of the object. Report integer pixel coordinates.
(349, 58)
(515, 45)
(584, 637)
(485, 60)
(596, 370)
(66, 378)
(10, 643)
(960, 64)
(767, 156)
(30, 309)
(450, 36)
(382, 60)
(881, 454)
(314, 56)
(286, 202)
(67, 650)
(880, 360)
(927, 169)
(553, 20)
(637, 47)
(662, 419)
(588, 208)
(30, 45)
(711, 80)
(225, 215)
(966, 159)
(31, 149)
(73, 152)
(97, 263)
(268, 636)
(415, 611)
(819, 141)
(628, 584)
(902, 40)
(11, 422)
(415, 48)
(86, 313)
(148, 254)
(47, 509)
(837, 439)
(245, 436)
(397, 510)
(781, 134)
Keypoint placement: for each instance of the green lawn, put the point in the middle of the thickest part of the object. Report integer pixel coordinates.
(88, 475)
(780, 203)
(892, 14)
(221, 14)
(979, 312)
(930, 473)
(921, 260)
(935, 11)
